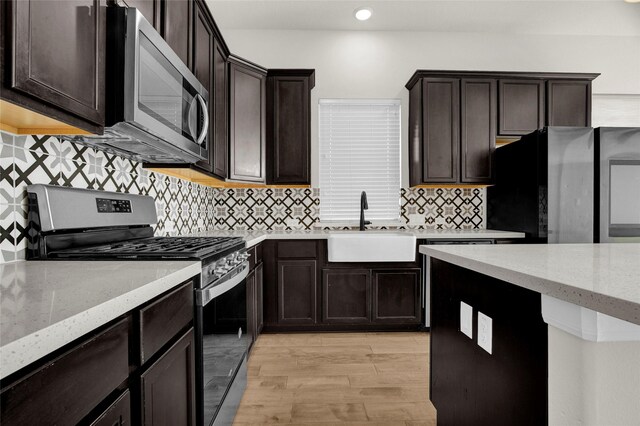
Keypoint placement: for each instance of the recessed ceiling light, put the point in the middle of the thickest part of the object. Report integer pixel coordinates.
(363, 13)
(632, 1)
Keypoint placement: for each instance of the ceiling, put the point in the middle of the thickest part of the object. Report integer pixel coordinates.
(573, 17)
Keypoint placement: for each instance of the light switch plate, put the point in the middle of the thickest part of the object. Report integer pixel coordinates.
(485, 332)
(466, 319)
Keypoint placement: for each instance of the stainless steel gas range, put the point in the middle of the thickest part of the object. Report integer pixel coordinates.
(70, 223)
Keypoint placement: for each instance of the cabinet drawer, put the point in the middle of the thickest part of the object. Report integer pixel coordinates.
(118, 413)
(297, 249)
(161, 320)
(68, 388)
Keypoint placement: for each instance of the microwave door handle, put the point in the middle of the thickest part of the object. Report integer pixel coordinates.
(205, 124)
(189, 114)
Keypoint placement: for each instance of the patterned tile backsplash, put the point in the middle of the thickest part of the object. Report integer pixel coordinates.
(184, 207)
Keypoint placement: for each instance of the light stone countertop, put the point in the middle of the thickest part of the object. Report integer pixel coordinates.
(46, 304)
(601, 277)
(254, 237)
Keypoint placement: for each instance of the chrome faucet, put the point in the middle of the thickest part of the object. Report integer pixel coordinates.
(363, 206)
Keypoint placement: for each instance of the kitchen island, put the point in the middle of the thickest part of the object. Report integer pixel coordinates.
(562, 336)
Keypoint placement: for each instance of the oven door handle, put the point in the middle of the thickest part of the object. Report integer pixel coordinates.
(209, 293)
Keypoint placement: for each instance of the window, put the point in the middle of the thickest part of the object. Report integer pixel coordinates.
(359, 151)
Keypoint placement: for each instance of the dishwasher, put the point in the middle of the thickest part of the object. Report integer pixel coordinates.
(426, 273)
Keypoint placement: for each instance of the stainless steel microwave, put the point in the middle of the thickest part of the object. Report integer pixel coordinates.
(156, 109)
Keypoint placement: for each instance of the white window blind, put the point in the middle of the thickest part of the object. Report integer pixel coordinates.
(359, 151)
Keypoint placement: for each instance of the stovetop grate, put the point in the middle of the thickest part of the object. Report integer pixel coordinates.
(156, 247)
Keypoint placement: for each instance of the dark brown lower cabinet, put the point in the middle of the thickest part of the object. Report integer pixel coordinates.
(346, 296)
(349, 296)
(103, 379)
(396, 296)
(118, 413)
(259, 299)
(255, 291)
(68, 388)
(297, 292)
(251, 307)
(168, 386)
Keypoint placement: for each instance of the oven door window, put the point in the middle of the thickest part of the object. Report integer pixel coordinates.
(624, 198)
(224, 344)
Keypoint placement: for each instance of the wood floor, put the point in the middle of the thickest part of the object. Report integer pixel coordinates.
(338, 379)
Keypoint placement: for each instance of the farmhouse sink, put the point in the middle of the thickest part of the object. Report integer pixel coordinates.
(371, 246)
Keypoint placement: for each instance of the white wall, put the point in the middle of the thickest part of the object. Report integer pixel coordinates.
(591, 383)
(361, 64)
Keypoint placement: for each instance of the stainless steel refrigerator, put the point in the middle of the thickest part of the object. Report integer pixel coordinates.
(569, 185)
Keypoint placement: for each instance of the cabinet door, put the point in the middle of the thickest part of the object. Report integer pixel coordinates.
(247, 133)
(117, 414)
(521, 107)
(150, 9)
(396, 296)
(346, 296)
(297, 292)
(168, 386)
(289, 144)
(259, 299)
(569, 103)
(58, 54)
(220, 142)
(441, 130)
(204, 47)
(176, 27)
(251, 307)
(478, 130)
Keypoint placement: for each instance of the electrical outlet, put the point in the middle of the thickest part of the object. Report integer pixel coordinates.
(485, 332)
(466, 319)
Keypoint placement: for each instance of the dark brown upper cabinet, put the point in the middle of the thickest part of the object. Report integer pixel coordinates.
(247, 119)
(569, 103)
(521, 106)
(289, 126)
(440, 142)
(456, 116)
(203, 68)
(220, 142)
(451, 130)
(177, 21)
(477, 129)
(53, 59)
(150, 9)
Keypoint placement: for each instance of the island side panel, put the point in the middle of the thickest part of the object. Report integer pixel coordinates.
(469, 386)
